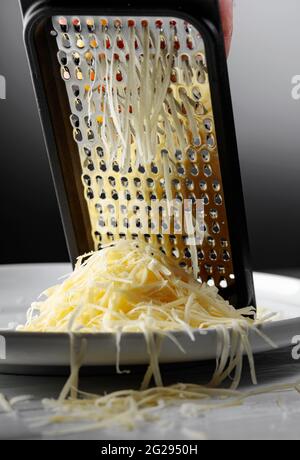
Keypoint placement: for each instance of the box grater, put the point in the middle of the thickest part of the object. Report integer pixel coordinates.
(136, 110)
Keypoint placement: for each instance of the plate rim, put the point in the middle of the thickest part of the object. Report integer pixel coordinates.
(281, 331)
(31, 334)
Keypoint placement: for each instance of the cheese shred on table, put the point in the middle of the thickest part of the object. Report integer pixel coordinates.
(130, 287)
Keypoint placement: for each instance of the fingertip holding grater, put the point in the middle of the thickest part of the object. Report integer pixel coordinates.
(136, 109)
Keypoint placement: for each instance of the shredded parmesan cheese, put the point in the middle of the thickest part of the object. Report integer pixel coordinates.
(132, 287)
(128, 408)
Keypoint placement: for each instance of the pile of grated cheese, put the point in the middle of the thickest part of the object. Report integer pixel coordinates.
(130, 287)
(127, 286)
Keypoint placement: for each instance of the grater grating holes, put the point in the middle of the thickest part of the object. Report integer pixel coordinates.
(190, 68)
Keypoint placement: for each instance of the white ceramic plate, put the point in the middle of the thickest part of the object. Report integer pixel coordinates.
(37, 353)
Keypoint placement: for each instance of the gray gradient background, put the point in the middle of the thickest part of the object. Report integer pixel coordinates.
(264, 57)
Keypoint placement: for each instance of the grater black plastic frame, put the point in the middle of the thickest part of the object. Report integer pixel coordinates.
(204, 15)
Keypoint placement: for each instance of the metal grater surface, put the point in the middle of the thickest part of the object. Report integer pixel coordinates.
(110, 117)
